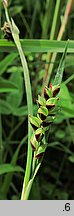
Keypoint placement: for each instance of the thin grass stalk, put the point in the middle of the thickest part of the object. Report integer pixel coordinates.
(15, 35)
(60, 34)
(28, 5)
(34, 16)
(29, 186)
(26, 25)
(9, 176)
(69, 79)
(52, 34)
(53, 28)
(46, 20)
(65, 19)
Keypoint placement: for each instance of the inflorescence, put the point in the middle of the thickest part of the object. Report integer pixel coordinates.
(45, 117)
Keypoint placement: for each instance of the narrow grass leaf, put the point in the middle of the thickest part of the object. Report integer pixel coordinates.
(8, 60)
(7, 87)
(59, 74)
(5, 107)
(6, 168)
(29, 186)
(30, 45)
(71, 158)
(8, 177)
(15, 98)
(14, 10)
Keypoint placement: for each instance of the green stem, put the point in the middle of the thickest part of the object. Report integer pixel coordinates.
(55, 20)
(46, 20)
(26, 25)
(15, 34)
(34, 17)
(34, 163)
(69, 79)
(60, 70)
(9, 176)
(29, 186)
(48, 68)
(28, 6)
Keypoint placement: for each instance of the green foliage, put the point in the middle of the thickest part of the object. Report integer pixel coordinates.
(45, 116)
(31, 45)
(35, 20)
(7, 86)
(6, 168)
(15, 99)
(8, 60)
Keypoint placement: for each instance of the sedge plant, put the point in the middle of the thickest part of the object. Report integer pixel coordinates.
(48, 104)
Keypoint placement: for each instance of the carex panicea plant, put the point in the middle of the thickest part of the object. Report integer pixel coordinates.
(45, 116)
(47, 109)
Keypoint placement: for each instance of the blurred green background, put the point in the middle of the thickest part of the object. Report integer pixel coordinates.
(55, 179)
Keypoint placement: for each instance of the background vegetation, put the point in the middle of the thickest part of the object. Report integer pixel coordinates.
(41, 19)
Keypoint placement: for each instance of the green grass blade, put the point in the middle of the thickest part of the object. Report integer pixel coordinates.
(5, 107)
(6, 62)
(6, 168)
(53, 29)
(7, 86)
(29, 186)
(59, 74)
(29, 45)
(8, 177)
(15, 34)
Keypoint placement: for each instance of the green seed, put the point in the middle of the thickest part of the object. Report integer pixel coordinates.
(40, 152)
(47, 93)
(34, 121)
(43, 112)
(34, 142)
(55, 90)
(39, 134)
(41, 101)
